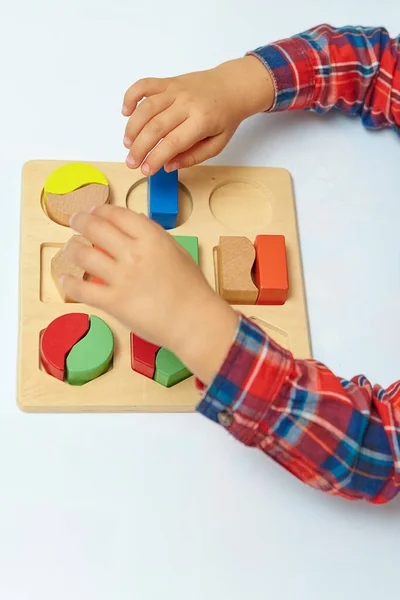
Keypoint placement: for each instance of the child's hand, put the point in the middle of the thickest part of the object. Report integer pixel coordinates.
(151, 285)
(187, 119)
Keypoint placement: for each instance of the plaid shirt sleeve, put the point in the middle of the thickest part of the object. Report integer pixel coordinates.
(353, 69)
(338, 436)
(341, 437)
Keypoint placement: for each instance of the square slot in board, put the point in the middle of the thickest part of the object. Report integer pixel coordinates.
(48, 290)
(214, 201)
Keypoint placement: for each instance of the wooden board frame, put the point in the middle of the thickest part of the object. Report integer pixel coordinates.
(220, 201)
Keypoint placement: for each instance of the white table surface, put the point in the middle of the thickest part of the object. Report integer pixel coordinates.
(164, 506)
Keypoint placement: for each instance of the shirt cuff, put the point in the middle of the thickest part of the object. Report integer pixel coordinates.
(290, 64)
(250, 379)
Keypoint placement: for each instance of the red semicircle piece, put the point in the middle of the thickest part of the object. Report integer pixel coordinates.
(59, 338)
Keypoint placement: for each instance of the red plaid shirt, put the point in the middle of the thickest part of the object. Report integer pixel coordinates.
(341, 437)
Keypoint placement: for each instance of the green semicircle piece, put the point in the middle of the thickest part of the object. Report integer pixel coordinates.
(92, 355)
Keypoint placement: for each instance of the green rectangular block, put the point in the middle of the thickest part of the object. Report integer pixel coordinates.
(191, 244)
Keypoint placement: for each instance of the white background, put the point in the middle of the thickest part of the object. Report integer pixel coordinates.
(163, 506)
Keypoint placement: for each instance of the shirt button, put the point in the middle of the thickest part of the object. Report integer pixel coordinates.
(225, 418)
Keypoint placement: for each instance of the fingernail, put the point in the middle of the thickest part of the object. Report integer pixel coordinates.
(124, 109)
(145, 169)
(130, 161)
(92, 209)
(127, 142)
(174, 166)
(72, 218)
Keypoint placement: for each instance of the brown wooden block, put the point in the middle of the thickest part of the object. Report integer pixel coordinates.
(60, 265)
(236, 256)
(61, 207)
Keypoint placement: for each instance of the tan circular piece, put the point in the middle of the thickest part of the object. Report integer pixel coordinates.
(61, 207)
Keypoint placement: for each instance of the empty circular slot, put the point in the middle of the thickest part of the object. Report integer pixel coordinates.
(136, 200)
(241, 206)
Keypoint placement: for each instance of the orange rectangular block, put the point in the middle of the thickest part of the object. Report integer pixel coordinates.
(270, 269)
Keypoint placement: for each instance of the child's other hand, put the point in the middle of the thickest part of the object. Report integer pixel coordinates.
(181, 121)
(152, 286)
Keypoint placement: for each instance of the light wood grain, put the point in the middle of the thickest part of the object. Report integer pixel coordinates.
(121, 389)
(236, 256)
(61, 207)
(60, 265)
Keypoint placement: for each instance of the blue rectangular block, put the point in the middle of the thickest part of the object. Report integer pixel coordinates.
(162, 198)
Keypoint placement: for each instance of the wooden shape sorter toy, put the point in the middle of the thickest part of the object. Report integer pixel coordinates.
(238, 224)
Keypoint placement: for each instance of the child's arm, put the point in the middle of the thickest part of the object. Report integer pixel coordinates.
(181, 121)
(341, 437)
(353, 69)
(338, 436)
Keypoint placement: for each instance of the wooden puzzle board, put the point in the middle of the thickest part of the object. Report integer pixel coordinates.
(213, 201)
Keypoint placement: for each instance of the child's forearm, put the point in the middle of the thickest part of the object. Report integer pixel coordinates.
(353, 69)
(340, 437)
(254, 91)
(178, 122)
(212, 331)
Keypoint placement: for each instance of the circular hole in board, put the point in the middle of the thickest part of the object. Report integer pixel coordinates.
(44, 209)
(241, 205)
(43, 204)
(136, 200)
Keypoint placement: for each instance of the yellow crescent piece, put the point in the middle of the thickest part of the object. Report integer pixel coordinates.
(71, 177)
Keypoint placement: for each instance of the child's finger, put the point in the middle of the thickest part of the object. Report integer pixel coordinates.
(198, 153)
(132, 224)
(177, 141)
(146, 111)
(141, 89)
(95, 295)
(92, 261)
(156, 129)
(100, 233)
